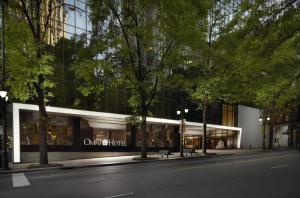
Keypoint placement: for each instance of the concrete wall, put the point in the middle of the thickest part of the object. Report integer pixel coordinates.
(248, 120)
(283, 138)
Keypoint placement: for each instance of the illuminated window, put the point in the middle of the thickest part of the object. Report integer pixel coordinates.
(228, 115)
(60, 129)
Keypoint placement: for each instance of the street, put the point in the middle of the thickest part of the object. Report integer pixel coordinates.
(269, 174)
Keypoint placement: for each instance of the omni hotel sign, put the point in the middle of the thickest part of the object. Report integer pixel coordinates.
(105, 142)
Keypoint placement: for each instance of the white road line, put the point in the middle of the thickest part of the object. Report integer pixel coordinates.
(47, 176)
(281, 166)
(233, 162)
(120, 195)
(19, 180)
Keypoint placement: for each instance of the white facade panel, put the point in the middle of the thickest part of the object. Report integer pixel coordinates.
(248, 120)
(107, 120)
(282, 137)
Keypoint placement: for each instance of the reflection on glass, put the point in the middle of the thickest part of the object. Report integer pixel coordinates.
(193, 142)
(70, 36)
(109, 134)
(80, 5)
(228, 115)
(80, 32)
(69, 10)
(60, 129)
(220, 139)
(158, 136)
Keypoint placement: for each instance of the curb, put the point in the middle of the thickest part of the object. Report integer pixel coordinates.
(106, 164)
(160, 160)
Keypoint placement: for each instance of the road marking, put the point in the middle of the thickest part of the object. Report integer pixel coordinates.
(53, 175)
(120, 195)
(234, 162)
(19, 180)
(281, 166)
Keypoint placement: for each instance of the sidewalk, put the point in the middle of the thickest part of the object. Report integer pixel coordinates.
(121, 160)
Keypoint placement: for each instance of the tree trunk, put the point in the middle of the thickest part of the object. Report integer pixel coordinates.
(264, 136)
(291, 135)
(144, 132)
(43, 129)
(204, 128)
(271, 134)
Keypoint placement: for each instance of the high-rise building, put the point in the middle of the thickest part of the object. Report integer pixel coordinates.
(55, 29)
(106, 128)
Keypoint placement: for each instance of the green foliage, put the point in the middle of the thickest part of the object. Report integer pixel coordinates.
(143, 40)
(93, 73)
(262, 45)
(87, 70)
(133, 119)
(205, 77)
(23, 67)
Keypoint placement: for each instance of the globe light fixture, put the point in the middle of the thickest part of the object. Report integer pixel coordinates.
(260, 119)
(3, 94)
(268, 118)
(186, 110)
(178, 112)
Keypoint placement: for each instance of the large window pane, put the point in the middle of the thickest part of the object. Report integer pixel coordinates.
(69, 9)
(81, 32)
(109, 135)
(69, 29)
(158, 136)
(60, 129)
(80, 18)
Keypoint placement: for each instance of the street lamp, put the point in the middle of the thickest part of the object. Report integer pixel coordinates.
(263, 121)
(3, 93)
(181, 113)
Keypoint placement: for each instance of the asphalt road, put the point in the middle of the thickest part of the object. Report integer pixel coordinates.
(271, 174)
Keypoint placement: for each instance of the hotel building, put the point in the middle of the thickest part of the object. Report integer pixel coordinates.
(81, 130)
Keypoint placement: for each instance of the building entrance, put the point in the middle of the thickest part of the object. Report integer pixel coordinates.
(193, 142)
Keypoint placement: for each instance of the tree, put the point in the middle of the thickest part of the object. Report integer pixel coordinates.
(141, 41)
(94, 75)
(209, 85)
(29, 64)
(262, 44)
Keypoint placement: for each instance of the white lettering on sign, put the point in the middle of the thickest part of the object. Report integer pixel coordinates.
(104, 142)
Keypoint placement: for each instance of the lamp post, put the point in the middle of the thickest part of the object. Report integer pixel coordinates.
(263, 120)
(3, 93)
(181, 113)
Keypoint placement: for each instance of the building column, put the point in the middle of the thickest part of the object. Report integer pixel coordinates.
(76, 133)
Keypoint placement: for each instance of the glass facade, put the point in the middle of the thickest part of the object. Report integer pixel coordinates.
(108, 134)
(216, 139)
(162, 136)
(68, 133)
(69, 33)
(60, 129)
(228, 115)
(221, 139)
(193, 142)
